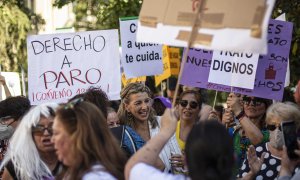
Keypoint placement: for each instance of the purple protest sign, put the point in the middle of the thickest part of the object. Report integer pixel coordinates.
(271, 70)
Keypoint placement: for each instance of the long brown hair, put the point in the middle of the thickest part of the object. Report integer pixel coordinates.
(124, 116)
(92, 141)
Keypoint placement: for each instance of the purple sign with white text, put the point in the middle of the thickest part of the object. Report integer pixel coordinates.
(271, 69)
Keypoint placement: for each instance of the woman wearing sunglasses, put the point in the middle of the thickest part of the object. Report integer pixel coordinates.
(84, 143)
(31, 153)
(189, 106)
(248, 115)
(272, 151)
(136, 112)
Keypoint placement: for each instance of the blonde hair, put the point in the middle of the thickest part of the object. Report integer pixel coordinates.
(127, 118)
(285, 111)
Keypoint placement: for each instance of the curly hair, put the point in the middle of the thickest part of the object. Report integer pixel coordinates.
(124, 116)
(96, 96)
(14, 106)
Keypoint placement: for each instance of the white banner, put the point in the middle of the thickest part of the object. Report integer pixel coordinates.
(233, 69)
(138, 59)
(63, 65)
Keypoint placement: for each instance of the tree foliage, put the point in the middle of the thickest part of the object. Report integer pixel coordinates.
(101, 14)
(16, 21)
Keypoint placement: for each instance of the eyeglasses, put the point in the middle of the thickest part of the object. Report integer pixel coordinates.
(5, 120)
(272, 127)
(73, 103)
(255, 101)
(184, 103)
(39, 129)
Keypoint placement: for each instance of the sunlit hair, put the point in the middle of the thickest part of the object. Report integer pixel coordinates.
(134, 88)
(22, 150)
(284, 111)
(92, 141)
(196, 94)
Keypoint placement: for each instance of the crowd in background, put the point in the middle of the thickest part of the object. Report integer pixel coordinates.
(143, 137)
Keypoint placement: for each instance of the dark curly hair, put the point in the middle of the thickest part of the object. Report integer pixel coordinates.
(96, 96)
(15, 106)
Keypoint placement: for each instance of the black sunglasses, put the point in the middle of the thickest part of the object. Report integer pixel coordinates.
(73, 103)
(255, 101)
(272, 127)
(39, 129)
(184, 103)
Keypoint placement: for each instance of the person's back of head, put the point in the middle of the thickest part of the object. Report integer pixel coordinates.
(95, 96)
(15, 107)
(209, 152)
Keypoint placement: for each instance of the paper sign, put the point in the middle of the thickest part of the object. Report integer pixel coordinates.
(63, 65)
(138, 59)
(132, 80)
(13, 83)
(233, 69)
(227, 25)
(271, 70)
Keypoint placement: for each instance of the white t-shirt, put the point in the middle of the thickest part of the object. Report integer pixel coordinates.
(170, 146)
(98, 172)
(146, 172)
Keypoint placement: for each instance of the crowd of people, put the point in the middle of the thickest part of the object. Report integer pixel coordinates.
(143, 137)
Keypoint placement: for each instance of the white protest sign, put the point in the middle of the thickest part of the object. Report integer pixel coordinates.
(63, 65)
(233, 69)
(13, 83)
(138, 59)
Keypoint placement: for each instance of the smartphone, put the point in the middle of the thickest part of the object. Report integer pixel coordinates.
(290, 138)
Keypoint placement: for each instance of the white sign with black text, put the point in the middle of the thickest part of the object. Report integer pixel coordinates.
(233, 69)
(138, 59)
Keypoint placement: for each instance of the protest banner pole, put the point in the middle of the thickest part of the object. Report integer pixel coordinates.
(190, 42)
(23, 80)
(215, 99)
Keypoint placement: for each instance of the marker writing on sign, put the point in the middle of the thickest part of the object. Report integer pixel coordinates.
(75, 43)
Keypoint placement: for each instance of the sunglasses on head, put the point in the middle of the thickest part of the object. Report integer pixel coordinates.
(39, 130)
(192, 104)
(272, 127)
(255, 101)
(73, 103)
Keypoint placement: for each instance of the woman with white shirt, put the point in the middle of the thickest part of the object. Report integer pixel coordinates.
(136, 111)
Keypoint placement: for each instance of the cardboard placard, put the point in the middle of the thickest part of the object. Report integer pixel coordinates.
(227, 25)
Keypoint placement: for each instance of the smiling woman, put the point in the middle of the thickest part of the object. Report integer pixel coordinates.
(31, 154)
(136, 111)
